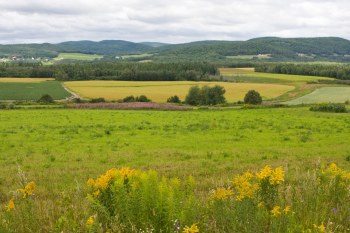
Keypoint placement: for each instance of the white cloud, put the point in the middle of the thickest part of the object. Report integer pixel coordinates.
(25, 21)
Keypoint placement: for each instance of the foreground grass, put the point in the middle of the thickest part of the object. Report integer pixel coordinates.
(61, 149)
(160, 91)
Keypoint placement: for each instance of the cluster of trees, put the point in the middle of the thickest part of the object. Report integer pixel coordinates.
(338, 71)
(206, 95)
(114, 71)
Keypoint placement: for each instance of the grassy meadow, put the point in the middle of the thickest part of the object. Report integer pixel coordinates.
(30, 89)
(160, 91)
(61, 149)
(78, 56)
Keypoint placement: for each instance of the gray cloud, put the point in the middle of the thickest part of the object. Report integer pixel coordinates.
(26, 21)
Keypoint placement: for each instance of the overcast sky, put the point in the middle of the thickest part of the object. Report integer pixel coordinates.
(175, 21)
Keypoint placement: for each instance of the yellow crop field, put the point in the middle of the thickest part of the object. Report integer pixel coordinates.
(249, 72)
(160, 91)
(24, 80)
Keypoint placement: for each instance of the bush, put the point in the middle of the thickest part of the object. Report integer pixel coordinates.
(142, 98)
(253, 97)
(46, 99)
(97, 100)
(206, 95)
(337, 108)
(129, 99)
(174, 99)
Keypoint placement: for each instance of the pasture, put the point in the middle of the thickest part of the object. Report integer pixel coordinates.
(21, 89)
(61, 149)
(324, 95)
(160, 91)
(78, 56)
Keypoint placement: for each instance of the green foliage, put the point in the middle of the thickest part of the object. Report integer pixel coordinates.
(142, 98)
(97, 100)
(46, 99)
(174, 99)
(337, 108)
(205, 95)
(252, 97)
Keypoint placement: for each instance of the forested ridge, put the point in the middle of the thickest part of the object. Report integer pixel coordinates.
(279, 49)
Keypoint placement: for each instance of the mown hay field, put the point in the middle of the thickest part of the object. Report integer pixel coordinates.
(250, 73)
(61, 149)
(324, 95)
(25, 80)
(78, 56)
(160, 91)
(23, 90)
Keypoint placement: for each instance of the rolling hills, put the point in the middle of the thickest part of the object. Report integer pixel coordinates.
(322, 48)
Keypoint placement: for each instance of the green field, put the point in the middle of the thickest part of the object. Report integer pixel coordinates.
(78, 56)
(242, 73)
(324, 95)
(145, 55)
(61, 149)
(31, 91)
(249, 57)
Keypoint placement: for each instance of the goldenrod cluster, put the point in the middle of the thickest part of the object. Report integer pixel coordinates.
(320, 228)
(275, 176)
(334, 171)
(193, 229)
(103, 182)
(277, 211)
(90, 221)
(244, 187)
(10, 206)
(221, 194)
(28, 189)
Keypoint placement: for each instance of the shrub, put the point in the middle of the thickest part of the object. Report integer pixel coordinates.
(252, 97)
(142, 98)
(129, 99)
(174, 99)
(97, 100)
(337, 108)
(206, 95)
(46, 99)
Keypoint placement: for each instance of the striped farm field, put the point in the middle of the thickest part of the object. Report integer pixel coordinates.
(160, 91)
(250, 73)
(24, 80)
(324, 95)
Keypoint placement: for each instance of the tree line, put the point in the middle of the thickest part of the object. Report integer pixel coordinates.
(338, 71)
(113, 71)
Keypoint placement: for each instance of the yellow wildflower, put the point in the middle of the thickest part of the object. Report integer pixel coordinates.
(96, 193)
(261, 204)
(221, 194)
(286, 210)
(125, 171)
(10, 206)
(244, 187)
(276, 211)
(193, 229)
(264, 173)
(277, 176)
(91, 183)
(321, 227)
(28, 189)
(90, 221)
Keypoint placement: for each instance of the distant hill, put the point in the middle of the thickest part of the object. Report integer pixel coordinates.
(324, 48)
